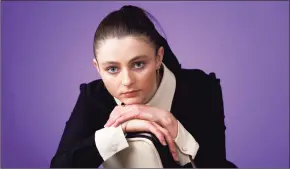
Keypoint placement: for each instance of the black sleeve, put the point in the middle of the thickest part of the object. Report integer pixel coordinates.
(212, 151)
(77, 146)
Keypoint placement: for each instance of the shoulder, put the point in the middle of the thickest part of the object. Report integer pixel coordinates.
(204, 91)
(91, 92)
(197, 74)
(94, 100)
(95, 94)
(197, 78)
(206, 100)
(91, 88)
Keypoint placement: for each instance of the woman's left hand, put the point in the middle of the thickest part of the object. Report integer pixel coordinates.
(144, 112)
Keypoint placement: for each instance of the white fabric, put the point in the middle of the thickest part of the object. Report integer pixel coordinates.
(109, 141)
(141, 153)
(163, 97)
(186, 145)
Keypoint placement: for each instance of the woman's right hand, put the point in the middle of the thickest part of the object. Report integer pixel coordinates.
(162, 134)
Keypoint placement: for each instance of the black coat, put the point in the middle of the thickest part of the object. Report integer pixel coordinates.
(197, 104)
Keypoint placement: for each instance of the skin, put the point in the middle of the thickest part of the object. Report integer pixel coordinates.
(129, 64)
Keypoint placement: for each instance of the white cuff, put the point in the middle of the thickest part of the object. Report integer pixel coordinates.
(109, 141)
(187, 145)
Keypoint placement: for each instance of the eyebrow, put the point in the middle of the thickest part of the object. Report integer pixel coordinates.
(132, 60)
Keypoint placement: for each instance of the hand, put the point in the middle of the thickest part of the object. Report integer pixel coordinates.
(136, 125)
(163, 118)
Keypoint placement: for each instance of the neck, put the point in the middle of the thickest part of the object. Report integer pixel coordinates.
(159, 76)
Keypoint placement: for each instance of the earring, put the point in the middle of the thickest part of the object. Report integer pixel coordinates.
(157, 71)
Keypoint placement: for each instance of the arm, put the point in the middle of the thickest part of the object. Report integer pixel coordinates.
(187, 147)
(80, 142)
(212, 152)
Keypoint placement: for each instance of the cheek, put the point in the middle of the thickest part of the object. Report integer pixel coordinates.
(148, 79)
(111, 83)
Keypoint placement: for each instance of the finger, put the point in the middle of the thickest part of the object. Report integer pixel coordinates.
(111, 121)
(141, 125)
(125, 117)
(124, 127)
(169, 140)
(117, 111)
(156, 132)
(133, 114)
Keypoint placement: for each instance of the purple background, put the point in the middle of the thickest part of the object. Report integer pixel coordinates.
(47, 53)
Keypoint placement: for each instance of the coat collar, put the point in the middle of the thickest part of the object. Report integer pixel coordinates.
(108, 103)
(164, 95)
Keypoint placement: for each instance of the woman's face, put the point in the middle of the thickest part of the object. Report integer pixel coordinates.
(128, 67)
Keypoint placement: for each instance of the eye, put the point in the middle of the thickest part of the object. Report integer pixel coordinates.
(112, 70)
(139, 65)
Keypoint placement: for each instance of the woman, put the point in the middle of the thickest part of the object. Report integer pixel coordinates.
(143, 89)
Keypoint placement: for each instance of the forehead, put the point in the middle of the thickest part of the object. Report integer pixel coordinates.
(123, 49)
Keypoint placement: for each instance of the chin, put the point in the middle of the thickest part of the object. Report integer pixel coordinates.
(129, 101)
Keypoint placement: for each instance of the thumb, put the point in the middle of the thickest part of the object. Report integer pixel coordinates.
(124, 127)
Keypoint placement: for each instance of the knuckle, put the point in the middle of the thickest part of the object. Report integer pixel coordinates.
(119, 120)
(171, 143)
(172, 148)
(166, 133)
(159, 135)
(125, 116)
(167, 120)
(164, 121)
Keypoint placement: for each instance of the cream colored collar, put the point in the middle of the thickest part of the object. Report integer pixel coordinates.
(165, 92)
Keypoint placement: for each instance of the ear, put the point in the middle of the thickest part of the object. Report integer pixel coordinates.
(159, 58)
(95, 62)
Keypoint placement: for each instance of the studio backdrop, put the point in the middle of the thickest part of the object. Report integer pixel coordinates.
(47, 52)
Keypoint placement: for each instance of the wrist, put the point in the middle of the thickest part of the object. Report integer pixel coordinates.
(123, 126)
(175, 129)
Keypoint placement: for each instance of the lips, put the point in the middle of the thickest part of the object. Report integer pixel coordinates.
(132, 93)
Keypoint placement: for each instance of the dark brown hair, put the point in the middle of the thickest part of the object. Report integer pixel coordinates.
(129, 20)
(132, 20)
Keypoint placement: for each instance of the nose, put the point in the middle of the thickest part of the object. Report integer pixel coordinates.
(127, 78)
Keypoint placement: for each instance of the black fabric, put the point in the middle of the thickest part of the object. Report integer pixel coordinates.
(197, 104)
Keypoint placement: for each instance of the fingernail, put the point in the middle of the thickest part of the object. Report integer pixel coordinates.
(176, 157)
(109, 123)
(164, 143)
